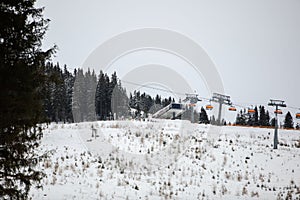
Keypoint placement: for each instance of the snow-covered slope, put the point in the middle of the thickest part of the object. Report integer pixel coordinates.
(165, 159)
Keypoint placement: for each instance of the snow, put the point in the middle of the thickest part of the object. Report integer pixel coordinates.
(167, 159)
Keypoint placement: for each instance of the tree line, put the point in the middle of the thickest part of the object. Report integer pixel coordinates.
(261, 117)
(84, 96)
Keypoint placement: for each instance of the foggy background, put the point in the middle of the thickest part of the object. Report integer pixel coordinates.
(255, 45)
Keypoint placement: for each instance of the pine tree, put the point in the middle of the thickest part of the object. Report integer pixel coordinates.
(203, 119)
(22, 28)
(288, 121)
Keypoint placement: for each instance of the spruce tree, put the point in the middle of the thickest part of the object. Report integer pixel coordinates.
(262, 116)
(267, 119)
(22, 28)
(79, 105)
(288, 121)
(91, 84)
(297, 126)
(69, 84)
(256, 123)
(100, 97)
(203, 119)
(273, 122)
(120, 102)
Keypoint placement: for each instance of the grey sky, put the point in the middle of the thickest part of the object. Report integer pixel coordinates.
(255, 45)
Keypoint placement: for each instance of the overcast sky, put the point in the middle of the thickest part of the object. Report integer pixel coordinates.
(255, 45)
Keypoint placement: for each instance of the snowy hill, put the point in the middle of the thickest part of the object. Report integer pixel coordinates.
(167, 159)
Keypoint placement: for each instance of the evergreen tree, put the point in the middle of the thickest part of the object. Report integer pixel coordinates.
(111, 100)
(69, 83)
(267, 118)
(256, 122)
(100, 97)
(79, 100)
(156, 104)
(297, 126)
(288, 121)
(107, 98)
(253, 118)
(264, 118)
(120, 102)
(273, 122)
(241, 118)
(157, 100)
(203, 119)
(91, 84)
(57, 93)
(213, 120)
(22, 28)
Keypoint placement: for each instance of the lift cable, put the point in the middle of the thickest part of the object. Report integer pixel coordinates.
(244, 105)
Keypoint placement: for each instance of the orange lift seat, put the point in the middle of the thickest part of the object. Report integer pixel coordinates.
(209, 107)
(278, 111)
(251, 111)
(232, 109)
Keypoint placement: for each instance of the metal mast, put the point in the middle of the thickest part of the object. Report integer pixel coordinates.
(276, 103)
(193, 99)
(221, 99)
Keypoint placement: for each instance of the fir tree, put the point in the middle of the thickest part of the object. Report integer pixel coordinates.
(22, 28)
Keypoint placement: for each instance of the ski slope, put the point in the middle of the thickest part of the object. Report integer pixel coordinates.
(167, 159)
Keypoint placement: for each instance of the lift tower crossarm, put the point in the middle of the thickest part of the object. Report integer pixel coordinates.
(276, 103)
(221, 99)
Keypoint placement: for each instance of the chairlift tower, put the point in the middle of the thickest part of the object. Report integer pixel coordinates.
(192, 99)
(221, 99)
(276, 103)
